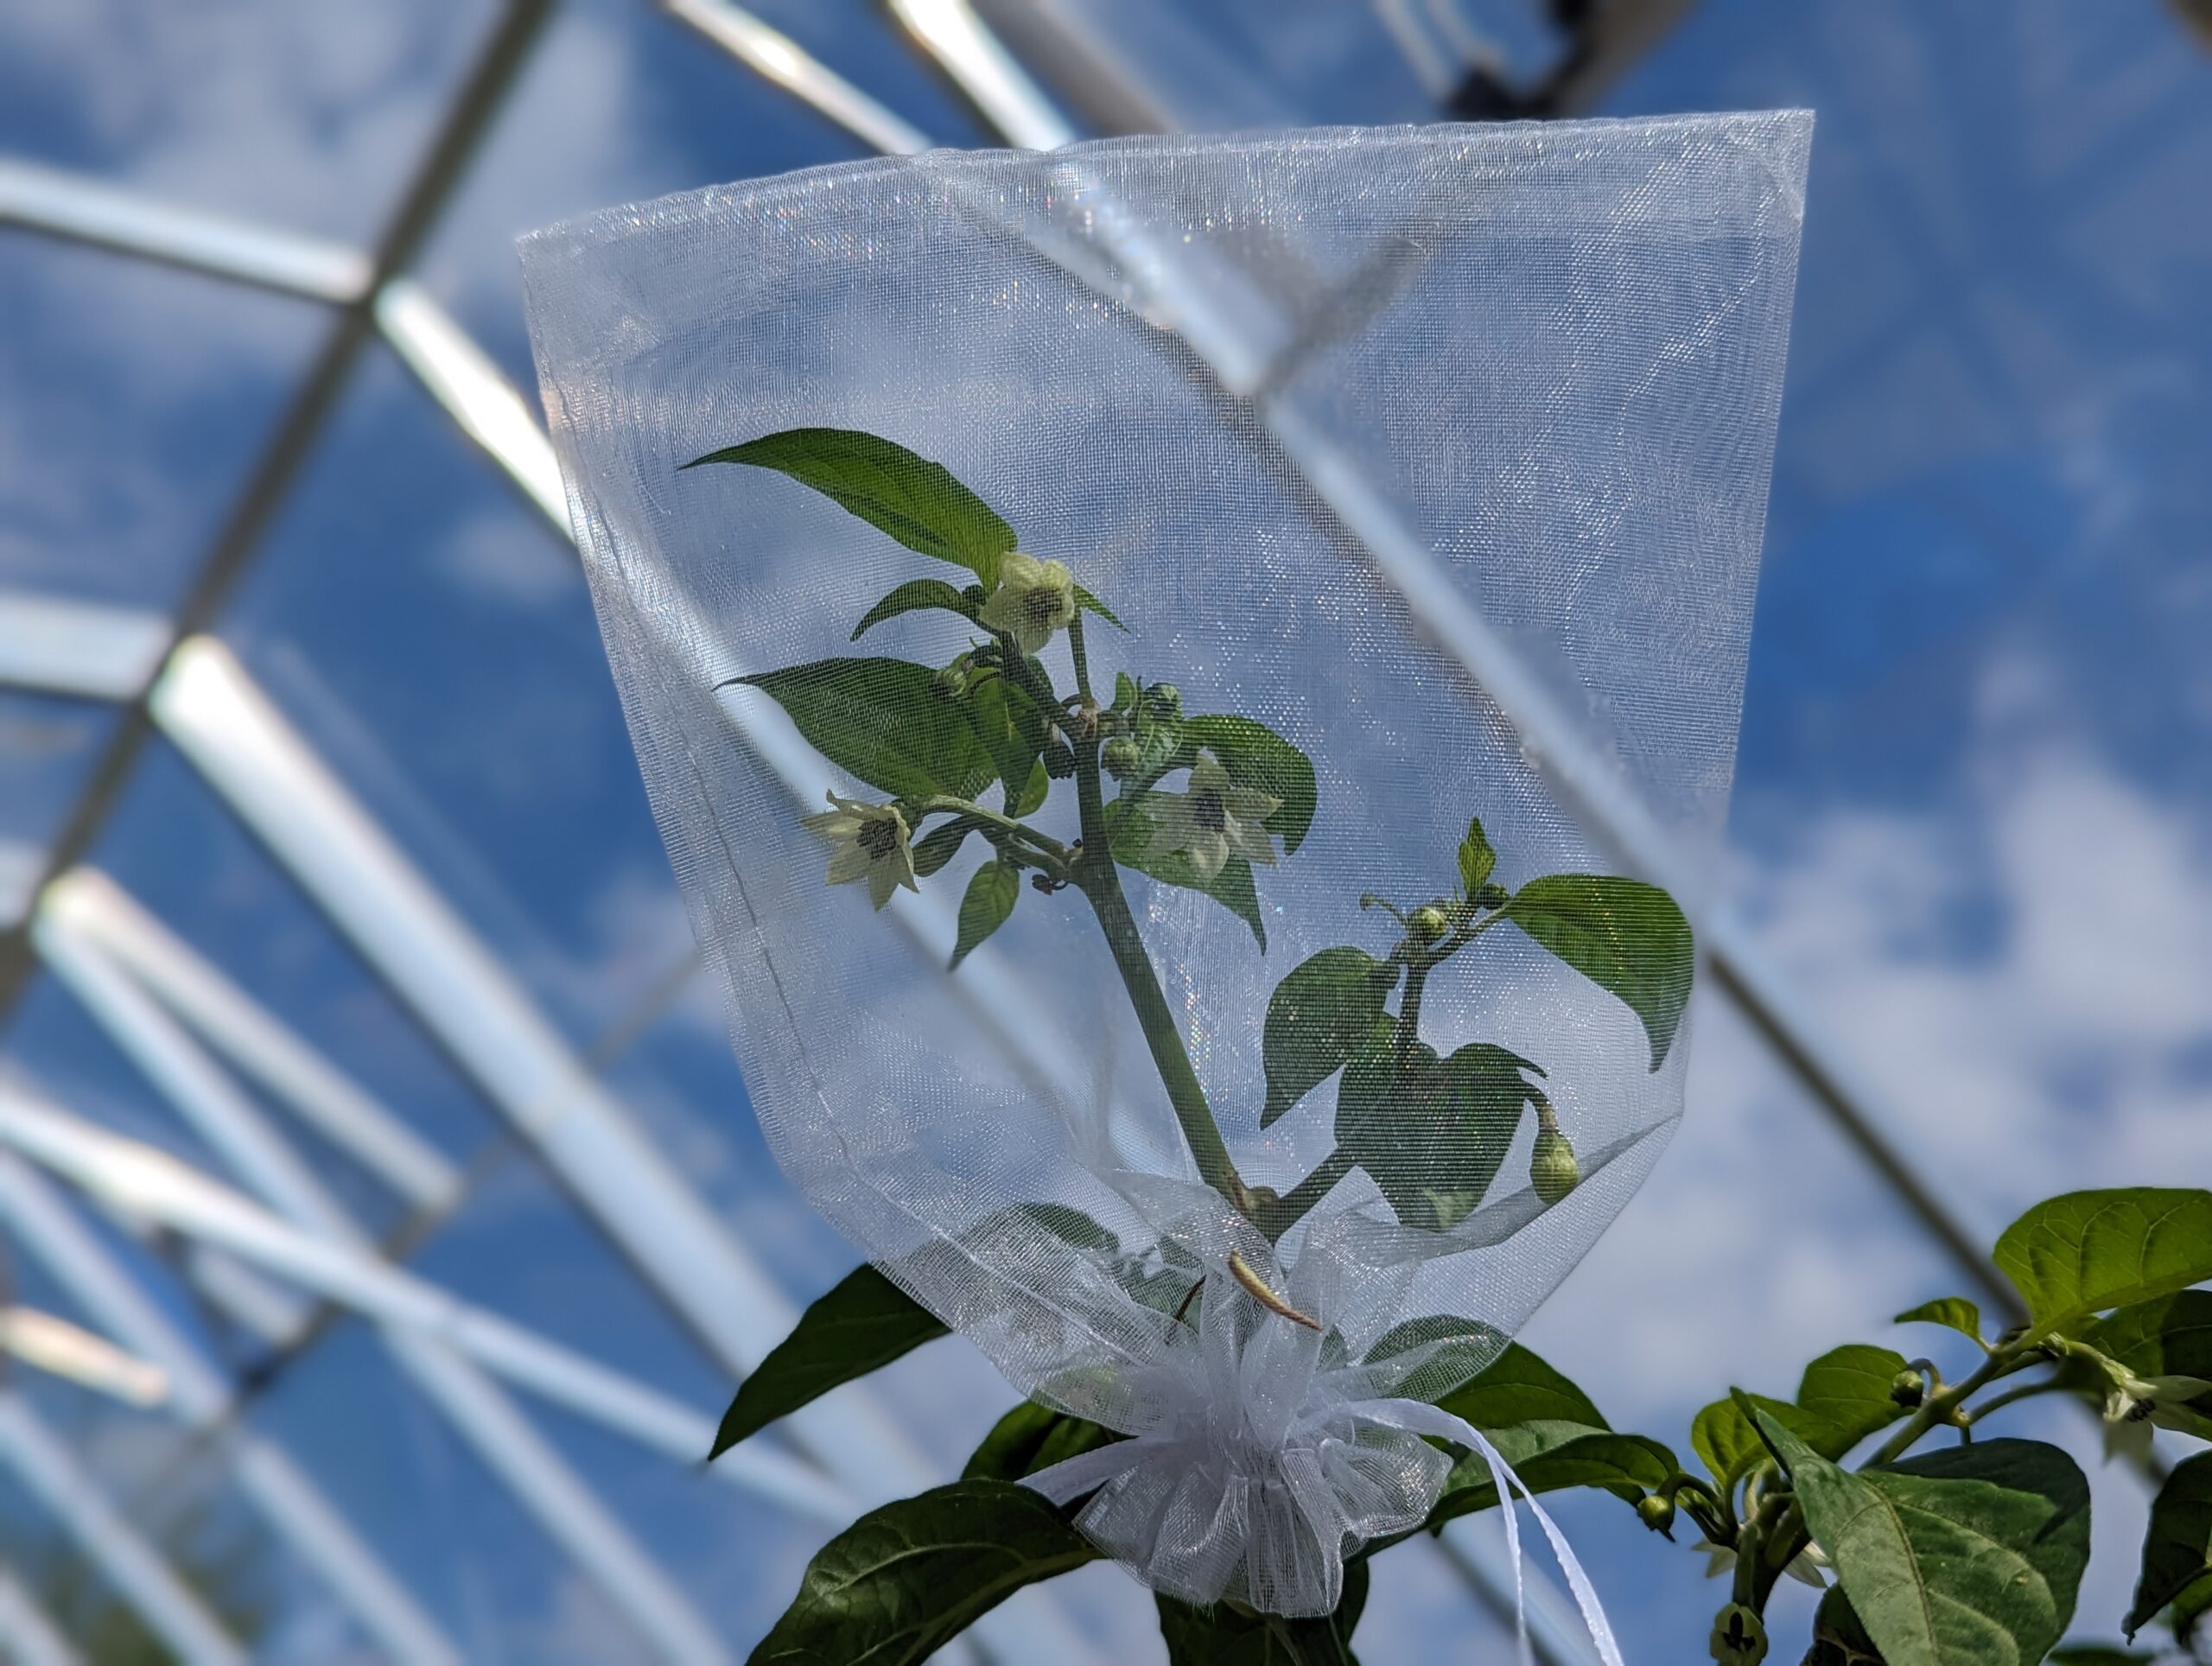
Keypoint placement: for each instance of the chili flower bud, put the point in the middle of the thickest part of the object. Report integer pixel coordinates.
(1906, 1389)
(1656, 1510)
(1164, 700)
(951, 682)
(1551, 1169)
(1427, 924)
(1121, 757)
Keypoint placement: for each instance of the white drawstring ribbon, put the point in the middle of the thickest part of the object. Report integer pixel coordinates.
(1251, 1469)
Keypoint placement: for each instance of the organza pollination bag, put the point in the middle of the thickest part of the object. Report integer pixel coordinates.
(1247, 615)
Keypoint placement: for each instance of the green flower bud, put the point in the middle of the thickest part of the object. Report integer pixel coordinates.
(1657, 1512)
(1121, 757)
(1427, 924)
(1165, 699)
(951, 682)
(1738, 1637)
(1551, 1169)
(1906, 1389)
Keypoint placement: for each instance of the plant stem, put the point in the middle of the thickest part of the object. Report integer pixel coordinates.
(1093, 871)
(1286, 1211)
(1938, 1407)
(945, 804)
(1409, 1013)
(2025, 1391)
(1082, 658)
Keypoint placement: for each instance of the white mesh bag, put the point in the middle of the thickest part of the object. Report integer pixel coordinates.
(1306, 580)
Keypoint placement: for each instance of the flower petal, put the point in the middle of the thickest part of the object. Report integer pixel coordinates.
(850, 863)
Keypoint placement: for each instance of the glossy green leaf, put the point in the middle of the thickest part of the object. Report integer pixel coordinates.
(915, 500)
(919, 596)
(2082, 1253)
(1031, 1437)
(1519, 1386)
(903, 1580)
(1221, 1637)
(1012, 730)
(1964, 1556)
(1430, 1132)
(861, 1326)
(2177, 1547)
(1550, 1456)
(883, 721)
(1628, 938)
(1955, 1312)
(1477, 859)
(991, 894)
(1316, 1017)
(1453, 1351)
(2167, 1336)
(1843, 1397)
(1131, 830)
(1256, 758)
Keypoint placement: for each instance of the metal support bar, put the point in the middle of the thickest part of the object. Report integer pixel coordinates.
(162, 1600)
(61, 1349)
(775, 58)
(28, 1635)
(142, 1181)
(88, 905)
(197, 1397)
(83, 649)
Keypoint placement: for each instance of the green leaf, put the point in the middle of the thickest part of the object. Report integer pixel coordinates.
(1838, 1637)
(1477, 859)
(1843, 1397)
(1518, 1387)
(1955, 1312)
(1031, 1437)
(941, 843)
(1012, 730)
(1316, 1018)
(2167, 1336)
(903, 1580)
(1256, 758)
(1457, 1350)
(915, 500)
(2079, 1254)
(1628, 938)
(1961, 1557)
(1222, 1637)
(861, 1326)
(919, 594)
(1131, 830)
(1431, 1133)
(2177, 1547)
(991, 895)
(882, 721)
(1090, 603)
(1549, 1456)
(1034, 795)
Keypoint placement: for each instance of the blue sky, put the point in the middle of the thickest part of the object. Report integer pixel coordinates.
(1973, 796)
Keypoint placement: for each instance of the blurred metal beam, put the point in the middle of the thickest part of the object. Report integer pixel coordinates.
(61, 1349)
(88, 904)
(28, 1635)
(992, 78)
(141, 1179)
(295, 434)
(199, 1398)
(776, 59)
(113, 217)
(82, 649)
(541, 1479)
(167, 1605)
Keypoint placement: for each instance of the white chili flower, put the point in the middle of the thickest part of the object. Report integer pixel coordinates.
(2136, 1405)
(1034, 599)
(872, 845)
(1212, 818)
